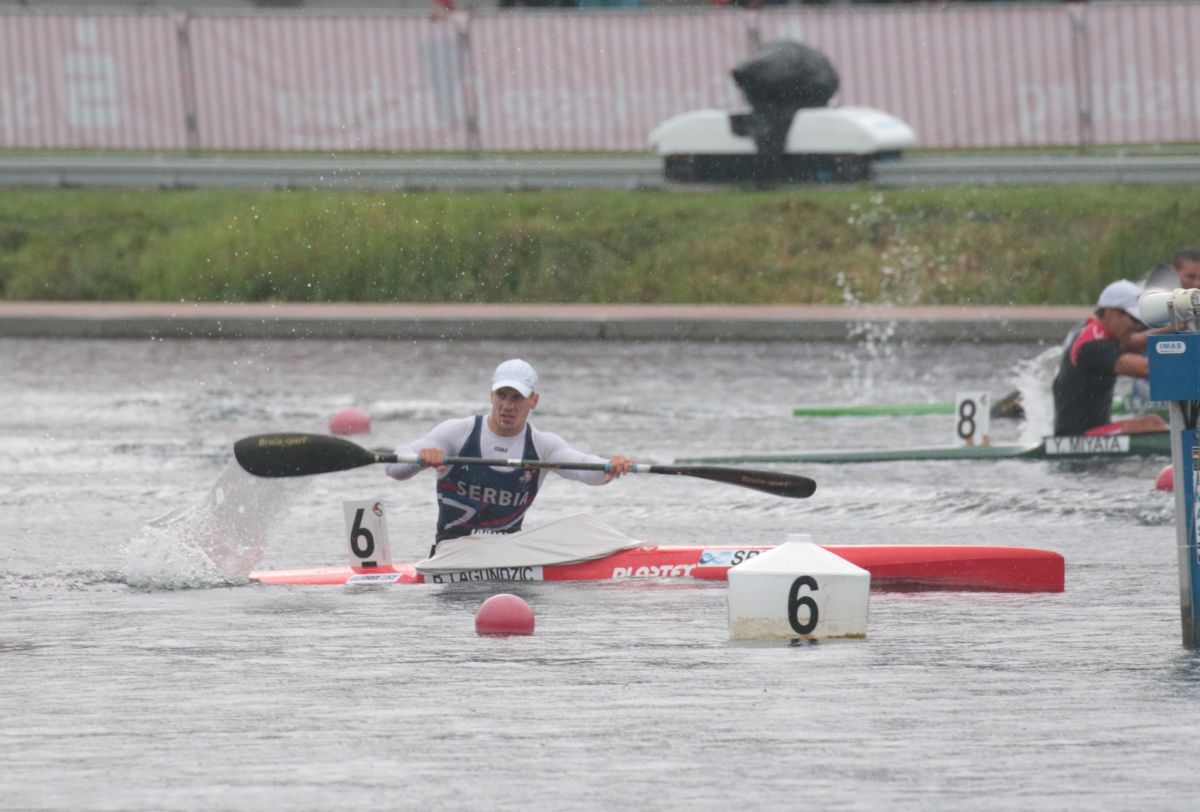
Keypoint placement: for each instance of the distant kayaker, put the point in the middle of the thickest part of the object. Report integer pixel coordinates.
(1093, 357)
(481, 499)
(1183, 272)
(1186, 264)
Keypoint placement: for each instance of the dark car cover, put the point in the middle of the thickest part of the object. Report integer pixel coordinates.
(781, 79)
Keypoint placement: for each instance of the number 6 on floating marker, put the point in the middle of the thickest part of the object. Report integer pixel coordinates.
(972, 413)
(366, 530)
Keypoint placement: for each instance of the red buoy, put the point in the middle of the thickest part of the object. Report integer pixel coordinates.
(504, 614)
(1166, 479)
(349, 421)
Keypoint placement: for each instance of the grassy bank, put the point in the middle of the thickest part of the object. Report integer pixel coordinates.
(1051, 245)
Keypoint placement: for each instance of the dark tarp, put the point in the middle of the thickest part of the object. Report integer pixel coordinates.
(781, 79)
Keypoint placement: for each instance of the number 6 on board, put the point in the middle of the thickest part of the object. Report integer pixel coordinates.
(366, 531)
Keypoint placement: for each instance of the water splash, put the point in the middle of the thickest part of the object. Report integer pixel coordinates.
(901, 277)
(214, 543)
(873, 339)
(1033, 378)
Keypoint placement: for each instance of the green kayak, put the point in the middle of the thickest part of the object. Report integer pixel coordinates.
(1007, 407)
(878, 410)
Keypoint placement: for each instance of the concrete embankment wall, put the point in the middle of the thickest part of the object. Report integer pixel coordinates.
(543, 321)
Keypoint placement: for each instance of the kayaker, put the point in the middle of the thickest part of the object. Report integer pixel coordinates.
(1093, 357)
(475, 499)
(1186, 264)
(1184, 272)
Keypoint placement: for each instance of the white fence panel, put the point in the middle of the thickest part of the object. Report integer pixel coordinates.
(84, 81)
(599, 81)
(955, 74)
(1143, 76)
(284, 82)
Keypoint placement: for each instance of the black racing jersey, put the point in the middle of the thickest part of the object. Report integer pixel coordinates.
(1083, 387)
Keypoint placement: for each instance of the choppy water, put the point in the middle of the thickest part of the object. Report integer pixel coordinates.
(141, 671)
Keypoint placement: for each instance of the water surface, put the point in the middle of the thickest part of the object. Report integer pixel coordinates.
(141, 670)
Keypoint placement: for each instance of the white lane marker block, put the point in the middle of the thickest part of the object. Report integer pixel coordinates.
(798, 591)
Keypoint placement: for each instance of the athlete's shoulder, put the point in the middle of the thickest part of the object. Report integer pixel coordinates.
(458, 422)
(452, 431)
(546, 440)
(538, 434)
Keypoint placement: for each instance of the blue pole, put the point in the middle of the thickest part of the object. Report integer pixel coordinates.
(1187, 472)
(1175, 377)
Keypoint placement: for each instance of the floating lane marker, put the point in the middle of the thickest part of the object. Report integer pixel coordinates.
(350, 420)
(798, 591)
(1165, 481)
(504, 615)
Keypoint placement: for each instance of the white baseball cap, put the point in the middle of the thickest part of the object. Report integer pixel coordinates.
(516, 374)
(1122, 295)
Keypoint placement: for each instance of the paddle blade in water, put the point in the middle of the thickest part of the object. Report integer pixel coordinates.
(282, 455)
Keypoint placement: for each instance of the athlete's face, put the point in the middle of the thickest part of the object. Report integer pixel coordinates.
(1189, 273)
(510, 410)
(1119, 324)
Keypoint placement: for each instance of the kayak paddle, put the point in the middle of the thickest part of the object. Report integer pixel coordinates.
(285, 455)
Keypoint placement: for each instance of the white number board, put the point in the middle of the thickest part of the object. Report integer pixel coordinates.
(366, 531)
(972, 416)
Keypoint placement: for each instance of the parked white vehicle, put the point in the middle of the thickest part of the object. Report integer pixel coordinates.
(831, 144)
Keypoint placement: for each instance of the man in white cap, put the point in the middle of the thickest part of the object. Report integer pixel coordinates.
(1093, 358)
(481, 499)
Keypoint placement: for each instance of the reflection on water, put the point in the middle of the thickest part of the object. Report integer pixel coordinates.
(1185, 676)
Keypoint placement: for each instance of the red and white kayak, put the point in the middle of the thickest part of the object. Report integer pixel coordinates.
(580, 548)
(892, 566)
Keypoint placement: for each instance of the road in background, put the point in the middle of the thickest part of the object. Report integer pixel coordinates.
(553, 172)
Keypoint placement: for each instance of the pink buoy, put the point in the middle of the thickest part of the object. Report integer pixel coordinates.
(349, 421)
(504, 614)
(1166, 479)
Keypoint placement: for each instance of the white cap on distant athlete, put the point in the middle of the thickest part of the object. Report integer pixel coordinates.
(1123, 295)
(516, 374)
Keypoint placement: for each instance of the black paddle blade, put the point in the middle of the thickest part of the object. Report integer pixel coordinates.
(772, 482)
(280, 455)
